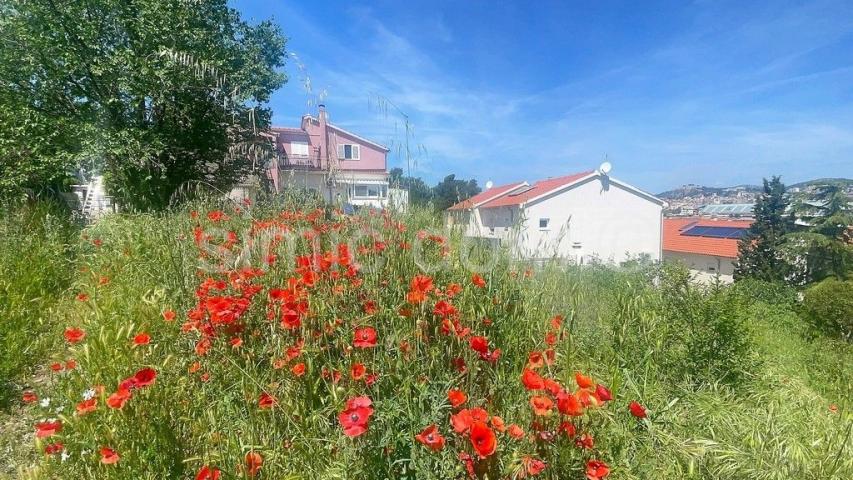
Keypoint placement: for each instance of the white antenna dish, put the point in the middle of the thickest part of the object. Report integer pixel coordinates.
(605, 168)
(489, 184)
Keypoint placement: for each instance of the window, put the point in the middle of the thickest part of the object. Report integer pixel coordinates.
(349, 152)
(543, 223)
(299, 148)
(369, 191)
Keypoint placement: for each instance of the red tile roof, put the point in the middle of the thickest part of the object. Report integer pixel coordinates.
(489, 194)
(538, 189)
(674, 241)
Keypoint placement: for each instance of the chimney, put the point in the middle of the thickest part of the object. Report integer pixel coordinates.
(325, 154)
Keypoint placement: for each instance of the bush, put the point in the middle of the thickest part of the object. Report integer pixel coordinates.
(707, 330)
(829, 306)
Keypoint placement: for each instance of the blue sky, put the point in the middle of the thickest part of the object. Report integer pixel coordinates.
(711, 92)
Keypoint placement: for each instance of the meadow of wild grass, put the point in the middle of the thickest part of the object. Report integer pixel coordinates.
(276, 341)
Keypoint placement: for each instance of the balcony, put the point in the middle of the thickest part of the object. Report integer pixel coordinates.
(299, 162)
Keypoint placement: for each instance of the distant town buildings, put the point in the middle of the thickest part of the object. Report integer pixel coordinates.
(583, 217)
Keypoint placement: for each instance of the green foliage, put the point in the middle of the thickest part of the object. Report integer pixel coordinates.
(98, 85)
(829, 306)
(710, 336)
(419, 192)
(758, 251)
(35, 270)
(452, 190)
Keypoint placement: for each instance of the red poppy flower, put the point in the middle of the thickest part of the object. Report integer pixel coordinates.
(109, 456)
(551, 338)
(82, 297)
(266, 401)
(357, 371)
(208, 473)
(71, 364)
(568, 404)
(168, 315)
(541, 405)
(29, 397)
(431, 438)
(596, 470)
(461, 421)
(587, 398)
(298, 369)
(456, 397)
(87, 406)
(141, 339)
(54, 448)
(355, 416)
(370, 307)
(603, 393)
(585, 441)
(56, 366)
(145, 377)
(478, 281)
(483, 439)
(553, 387)
(498, 423)
(365, 337)
(74, 335)
(534, 360)
(567, 427)
(583, 381)
(479, 344)
(119, 398)
(515, 431)
(533, 466)
(532, 380)
(254, 461)
(556, 322)
(48, 429)
(550, 357)
(636, 409)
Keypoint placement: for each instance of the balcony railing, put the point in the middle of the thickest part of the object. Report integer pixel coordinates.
(301, 162)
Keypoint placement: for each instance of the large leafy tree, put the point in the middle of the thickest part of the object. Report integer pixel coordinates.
(452, 190)
(759, 253)
(153, 93)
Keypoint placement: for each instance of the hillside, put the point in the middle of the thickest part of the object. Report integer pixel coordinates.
(693, 190)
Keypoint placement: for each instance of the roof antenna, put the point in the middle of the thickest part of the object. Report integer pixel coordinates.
(605, 166)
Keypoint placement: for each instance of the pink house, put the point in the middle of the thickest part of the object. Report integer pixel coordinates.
(338, 165)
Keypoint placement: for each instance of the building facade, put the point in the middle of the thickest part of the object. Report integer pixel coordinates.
(584, 217)
(338, 165)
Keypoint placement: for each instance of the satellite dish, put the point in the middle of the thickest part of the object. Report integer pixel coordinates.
(489, 184)
(605, 168)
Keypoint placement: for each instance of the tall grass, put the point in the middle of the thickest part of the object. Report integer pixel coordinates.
(36, 267)
(734, 385)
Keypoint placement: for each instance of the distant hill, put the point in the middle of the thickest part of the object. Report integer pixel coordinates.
(693, 190)
(822, 181)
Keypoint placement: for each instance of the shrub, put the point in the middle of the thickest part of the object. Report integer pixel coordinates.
(829, 306)
(708, 332)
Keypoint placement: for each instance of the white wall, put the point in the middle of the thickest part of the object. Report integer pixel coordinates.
(597, 218)
(704, 268)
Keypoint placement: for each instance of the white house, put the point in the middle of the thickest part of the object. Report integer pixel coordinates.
(708, 247)
(583, 216)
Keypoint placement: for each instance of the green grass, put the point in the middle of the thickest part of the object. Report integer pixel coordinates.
(736, 384)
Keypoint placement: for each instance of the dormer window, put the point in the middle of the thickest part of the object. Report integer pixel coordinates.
(349, 152)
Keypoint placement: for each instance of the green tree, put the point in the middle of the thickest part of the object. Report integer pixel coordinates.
(419, 191)
(450, 191)
(153, 93)
(759, 250)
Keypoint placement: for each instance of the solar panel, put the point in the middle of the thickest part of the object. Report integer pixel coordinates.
(715, 232)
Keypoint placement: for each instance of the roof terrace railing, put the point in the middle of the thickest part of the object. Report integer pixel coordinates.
(308, 162)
